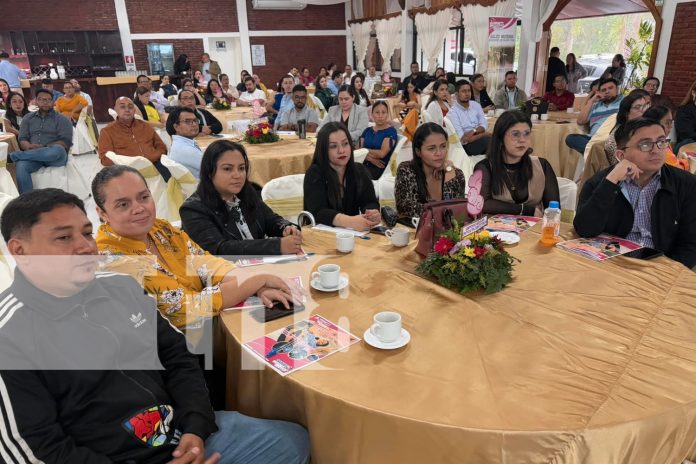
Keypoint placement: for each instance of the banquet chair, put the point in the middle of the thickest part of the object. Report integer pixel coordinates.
(384, 186)
(568, 194)
(359, 154)
(155, 182)
(83, 141)
(7, 185)
(320, 108)
(688, 148)
(181, 185)
(285, 195)
(7, 262)
(70, 177)
(456, 152)
(164, 135)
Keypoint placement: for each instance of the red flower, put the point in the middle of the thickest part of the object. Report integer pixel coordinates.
(479, 251)
(257, 133)
(443, 245)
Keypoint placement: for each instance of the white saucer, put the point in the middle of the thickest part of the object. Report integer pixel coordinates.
(403, 340)
(508, 238)
(342, 283)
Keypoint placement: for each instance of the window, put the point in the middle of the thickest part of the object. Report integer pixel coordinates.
(456, 56)
(161, 58)
(374, 55)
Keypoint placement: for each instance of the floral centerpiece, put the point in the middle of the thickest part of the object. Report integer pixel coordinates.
(260, 133)
(221, 104)
(473, 263)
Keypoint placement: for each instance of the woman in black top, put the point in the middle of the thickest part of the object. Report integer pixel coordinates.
(16, 110)
(361, 98)
(685, 119)
(337, 190)
(208, 123)
(182, 65)
(514, 181)
(226, 216)
(168, 89)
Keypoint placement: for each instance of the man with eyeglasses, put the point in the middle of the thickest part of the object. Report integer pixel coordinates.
(45, 137)
(182, 125)
(641, 198)
(156, 98)
(300, 110)
(207, 123)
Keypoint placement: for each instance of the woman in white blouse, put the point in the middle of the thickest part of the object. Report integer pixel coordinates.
(439, 105)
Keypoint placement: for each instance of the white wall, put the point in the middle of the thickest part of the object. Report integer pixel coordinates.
(230, 60)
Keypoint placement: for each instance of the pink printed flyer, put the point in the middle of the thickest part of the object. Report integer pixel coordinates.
(300, 344)
(599, 248)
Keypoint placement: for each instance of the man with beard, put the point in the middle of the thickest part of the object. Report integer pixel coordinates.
(469, 121)
(288, 121)
(602, 105)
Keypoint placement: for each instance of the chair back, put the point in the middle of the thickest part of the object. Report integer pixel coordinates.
(455, 151)
(7, 185)
(568, 192)
(180, 186)
(285, 195)
(7, 262)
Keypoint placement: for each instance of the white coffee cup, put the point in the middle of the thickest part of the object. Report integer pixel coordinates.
(499, 111)
(387, 326)
(535, 117)
(399, 237)
(491, 113)
(570, 110)
(345, 242)
(328, 275)
(415, 221)
(545, 117)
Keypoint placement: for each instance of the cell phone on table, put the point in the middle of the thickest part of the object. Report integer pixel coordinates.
(644, 253)
(276, 311)
(381, 230)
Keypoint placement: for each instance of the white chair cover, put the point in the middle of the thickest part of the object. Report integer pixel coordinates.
(166, 138)
(113, 113)
(180, 186)
(82, 139)
(360, 154)
(7, 185)
(456, 152)
(154, 180)
(320, 108)
(68, 178)
(7, 262)
(389, 171)
(569, 191)
(285, 195)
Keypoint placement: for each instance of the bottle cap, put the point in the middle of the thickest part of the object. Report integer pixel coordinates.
(554, 204)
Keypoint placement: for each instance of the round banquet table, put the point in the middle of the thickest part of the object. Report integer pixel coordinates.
(238, 113)
(268, 161)
(11, 141)
(574, 362)
(548, 141)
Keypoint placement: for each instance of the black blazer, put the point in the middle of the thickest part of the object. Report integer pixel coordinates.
(602, 208)
(212, 121)
(217, 233)
(359, 194)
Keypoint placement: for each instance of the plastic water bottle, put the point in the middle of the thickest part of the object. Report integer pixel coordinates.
(551, 224)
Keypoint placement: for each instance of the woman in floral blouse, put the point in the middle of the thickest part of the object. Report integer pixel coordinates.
(188, 283)
(419, 180)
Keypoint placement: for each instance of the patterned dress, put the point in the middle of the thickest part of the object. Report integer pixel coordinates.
(406, 190)
(185, 281)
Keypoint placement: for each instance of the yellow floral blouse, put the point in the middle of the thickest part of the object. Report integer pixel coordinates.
(185, 283)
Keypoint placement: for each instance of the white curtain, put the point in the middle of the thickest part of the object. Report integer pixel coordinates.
(389, 38)
(432, 30)
(545, 9)
(323, 2)
(475, 18)
(361, 40)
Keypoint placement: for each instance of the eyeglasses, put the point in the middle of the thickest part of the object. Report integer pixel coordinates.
(186, 98)
(647, 145)
(519, 135)
(47, 99)
(189, 122)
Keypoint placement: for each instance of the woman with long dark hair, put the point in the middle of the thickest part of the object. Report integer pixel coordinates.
(337, 190)
(380, 140)
(663, 115)
(632, 107)
(323, 92)
(226, 215)
(182, 65)
(361, 98)
(214, 91)
(685, 119)
(5, 92)
(16, 110)
(575, 71)
(420, 180)
(617, 70)
(147, 108)
(166, 88)
(439, 104)
(514, 181)
(188, 84)
(410, 100)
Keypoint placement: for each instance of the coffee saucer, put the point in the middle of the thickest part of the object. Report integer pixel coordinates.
(508, 238)
(402, 341)
(342, 283)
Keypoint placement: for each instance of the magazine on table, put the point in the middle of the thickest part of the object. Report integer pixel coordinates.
(254, 302)
(277, 259)
(300, 344)
(511, 223)
(599, 248)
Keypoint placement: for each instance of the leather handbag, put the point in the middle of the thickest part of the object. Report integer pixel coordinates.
(435, 218)
(536, 105)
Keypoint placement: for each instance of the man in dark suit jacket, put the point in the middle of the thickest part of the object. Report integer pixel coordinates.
(556, 67)
(209, 68)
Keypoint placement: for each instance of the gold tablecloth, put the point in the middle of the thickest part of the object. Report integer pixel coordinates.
(548, 141)
(234, 114)
(574, 362)
(11, 141)
(271, 160)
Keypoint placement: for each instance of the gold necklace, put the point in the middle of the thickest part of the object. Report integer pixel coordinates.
(507, 174)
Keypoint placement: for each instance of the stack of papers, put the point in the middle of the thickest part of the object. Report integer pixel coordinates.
(511, 223)
(599, 248)
(339, 230)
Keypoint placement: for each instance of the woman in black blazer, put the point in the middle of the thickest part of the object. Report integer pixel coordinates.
(226, 216)
(337, 190)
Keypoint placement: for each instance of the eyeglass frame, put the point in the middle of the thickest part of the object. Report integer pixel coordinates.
(527, 135)
(652, 143)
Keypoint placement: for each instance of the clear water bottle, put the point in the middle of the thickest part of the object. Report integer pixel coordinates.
(551, 224)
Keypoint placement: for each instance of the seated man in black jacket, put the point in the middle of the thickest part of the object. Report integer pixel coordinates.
(90, 372)
(641, 198)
